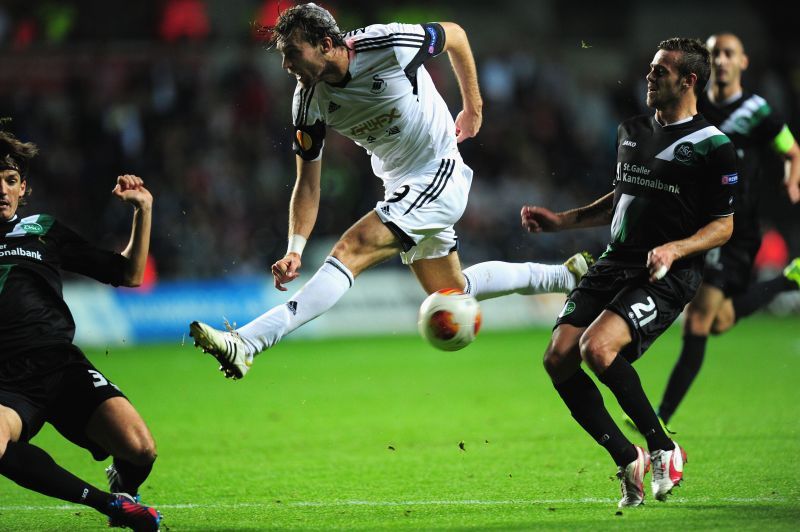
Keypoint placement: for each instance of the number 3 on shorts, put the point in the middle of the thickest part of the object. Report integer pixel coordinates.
(97, 378)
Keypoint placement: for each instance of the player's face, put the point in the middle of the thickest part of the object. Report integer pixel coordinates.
(663, 80)
(727, 59)
(12, 188)
(302, 60)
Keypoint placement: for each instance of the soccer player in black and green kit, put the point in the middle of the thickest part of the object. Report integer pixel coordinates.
(727, 293)
(672, 201)
(43, 376)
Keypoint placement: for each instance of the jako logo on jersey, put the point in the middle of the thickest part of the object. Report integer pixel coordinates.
(304, 140)
(730, 179)
(630, 143)
(684, 152)
(376, 123)
(378, 85)
(434, 38)
(33, 228)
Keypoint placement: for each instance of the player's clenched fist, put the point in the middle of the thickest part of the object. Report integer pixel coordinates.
(286, 270)
(538, 219)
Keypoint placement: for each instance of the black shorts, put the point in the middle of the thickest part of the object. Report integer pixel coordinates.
(730, 267)
(57, 385)
(648, 308)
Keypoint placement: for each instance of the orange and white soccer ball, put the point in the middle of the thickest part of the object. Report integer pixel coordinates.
(449, 319)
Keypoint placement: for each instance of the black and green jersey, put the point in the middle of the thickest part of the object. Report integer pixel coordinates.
(751, 124)
(670, 181)
(33, 313)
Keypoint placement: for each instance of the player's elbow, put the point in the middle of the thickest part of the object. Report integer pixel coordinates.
(454, 35)
(726, 231)
(133, 278)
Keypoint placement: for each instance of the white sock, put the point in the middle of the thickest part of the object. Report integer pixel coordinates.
(494, 279)
(318, 295)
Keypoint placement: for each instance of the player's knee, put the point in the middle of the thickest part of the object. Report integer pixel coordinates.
(699, 321)
(341, 249)
(554, 360)
(721, 325)
(596, 352)
(144, 453)
(353, 242)
(550, 361)
(141, 448)
(9, 429)
(5, 438)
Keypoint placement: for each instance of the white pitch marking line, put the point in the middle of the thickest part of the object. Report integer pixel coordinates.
(467, 502)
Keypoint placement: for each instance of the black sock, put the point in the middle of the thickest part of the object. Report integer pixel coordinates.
(32, 468)
(131, 476)
(624, 382)
(683, 374)
(585, 403)
(760, 294)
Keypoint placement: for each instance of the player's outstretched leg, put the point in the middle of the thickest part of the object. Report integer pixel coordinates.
(488, 280)
(579, 264)
(631, 479)
(235, 350)
(762, 293)
(667, 470)
(34, 469)
(226, 346)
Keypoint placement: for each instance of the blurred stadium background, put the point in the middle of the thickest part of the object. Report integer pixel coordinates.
(182, 93)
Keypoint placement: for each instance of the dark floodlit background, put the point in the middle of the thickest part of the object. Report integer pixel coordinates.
(183, 94)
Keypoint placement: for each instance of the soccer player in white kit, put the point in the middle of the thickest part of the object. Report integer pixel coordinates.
(370, 85)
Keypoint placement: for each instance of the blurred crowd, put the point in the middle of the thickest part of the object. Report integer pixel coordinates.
(182, 93)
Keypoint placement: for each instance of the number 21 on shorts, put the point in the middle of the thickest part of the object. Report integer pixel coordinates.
(644, 313)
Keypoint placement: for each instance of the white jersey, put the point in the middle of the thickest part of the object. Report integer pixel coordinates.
(387, 102)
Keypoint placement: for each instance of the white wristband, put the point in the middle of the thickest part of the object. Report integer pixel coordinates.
(296, 244)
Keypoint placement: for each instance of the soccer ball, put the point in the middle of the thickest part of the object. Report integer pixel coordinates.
(449, 319)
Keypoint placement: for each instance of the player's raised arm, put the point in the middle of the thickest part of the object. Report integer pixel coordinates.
(302, 216)
(130, 188)
(540, 219)
(468, 121)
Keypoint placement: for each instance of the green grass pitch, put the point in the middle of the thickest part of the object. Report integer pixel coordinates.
(378, 433)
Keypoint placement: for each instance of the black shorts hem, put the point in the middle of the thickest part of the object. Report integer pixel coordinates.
(405, 241)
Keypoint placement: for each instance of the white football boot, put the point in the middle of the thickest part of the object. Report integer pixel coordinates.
(667, 470)
(227, 347)
(631, 479)
(579, 264)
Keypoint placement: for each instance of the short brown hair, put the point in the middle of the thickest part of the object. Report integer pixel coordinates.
(312, 21)
(696, 59)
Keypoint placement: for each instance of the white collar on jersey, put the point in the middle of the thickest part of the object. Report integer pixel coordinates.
(681, 121)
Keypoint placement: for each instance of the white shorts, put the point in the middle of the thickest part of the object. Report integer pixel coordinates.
(422, 209)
